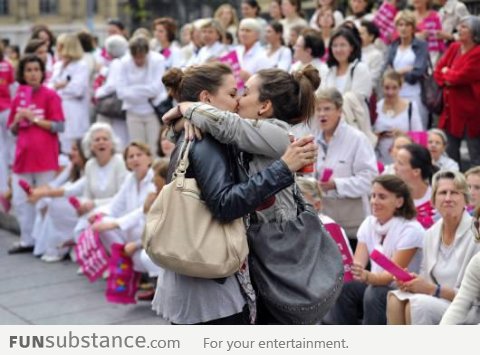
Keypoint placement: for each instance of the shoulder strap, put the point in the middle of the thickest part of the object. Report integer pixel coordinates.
(182, 163)
(410, 115)
(353, 69)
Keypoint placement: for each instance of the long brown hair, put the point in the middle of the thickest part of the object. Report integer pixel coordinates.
(397, 186)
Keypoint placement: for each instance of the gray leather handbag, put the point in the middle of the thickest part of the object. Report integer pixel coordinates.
(296, 266)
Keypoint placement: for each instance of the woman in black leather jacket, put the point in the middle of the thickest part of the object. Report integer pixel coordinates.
(187, 300)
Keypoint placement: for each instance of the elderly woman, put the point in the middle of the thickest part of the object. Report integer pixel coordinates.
(391, 229)
(465, 308)
(250, 53)
(36, 117)
(413, 164)
(408, 56)
(116, 47)
(345, 152)
(139, 85)
(71, 78)
(457, 73)
(437, 144)
(104, 172)
(448, 247)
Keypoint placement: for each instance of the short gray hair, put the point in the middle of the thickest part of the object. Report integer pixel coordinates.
(439, 133)
(87, 139)
(116, 46)
(473, 23)
(458, 181)
(330, 94)
(251, 24)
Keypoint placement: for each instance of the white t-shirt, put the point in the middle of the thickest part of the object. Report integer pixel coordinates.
(341, 82)
(399, 234)
(405, 58)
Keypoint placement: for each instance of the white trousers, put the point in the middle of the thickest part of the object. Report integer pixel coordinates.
(25, 211)
(134, 234)
(144, 128)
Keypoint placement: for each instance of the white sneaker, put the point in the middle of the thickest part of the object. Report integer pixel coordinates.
(51, 258)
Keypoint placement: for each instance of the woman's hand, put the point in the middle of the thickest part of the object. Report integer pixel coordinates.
(130, 248)
(38, 193)
(328, 185)
(60, 84)
(300, 153)
(192, 132)
(104, 226)
(86, 207)
(359, 273)
(176, 112)
(417, 285)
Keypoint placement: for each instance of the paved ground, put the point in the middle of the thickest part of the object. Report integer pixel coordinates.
(35, 292)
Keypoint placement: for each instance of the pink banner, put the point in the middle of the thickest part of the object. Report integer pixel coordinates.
(231, 59)
(91, 255)
(122, 282)
(342, 243)
(390, 267)
(419, 137)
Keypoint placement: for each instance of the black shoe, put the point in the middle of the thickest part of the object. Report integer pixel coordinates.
(18, 249)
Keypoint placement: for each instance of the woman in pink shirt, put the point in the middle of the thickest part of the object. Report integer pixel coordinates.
(429, 26)
(36, 117)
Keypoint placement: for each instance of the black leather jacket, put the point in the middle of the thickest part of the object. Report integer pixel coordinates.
(216, 168)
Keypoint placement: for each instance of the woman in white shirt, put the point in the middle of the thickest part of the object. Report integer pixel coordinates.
(473, 181)
(140, 86)
(360, 10)
(371, 55)
(414, 165)
(71, 79)
(212, 35)
(465, 308)
(448, 247)
(437, 145)
(392, 230)
(124, 222)
(292, 12)
(393, 114)
(322, 6)
(164, 30)
(250, 52)
(309, 48)
(54, 226)
(278, 54)
(347, 154)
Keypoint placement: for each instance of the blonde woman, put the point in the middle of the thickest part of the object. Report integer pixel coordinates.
(71, 78)
(226, 15)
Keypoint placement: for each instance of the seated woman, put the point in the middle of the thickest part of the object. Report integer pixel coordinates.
(104, 173)
(393, 114)
(437, 145)
(58, 215)
(449, 246)
(465, 308)
(347, 152)
(124, 222)
(473, 182)
(392, 229)
(413, 165)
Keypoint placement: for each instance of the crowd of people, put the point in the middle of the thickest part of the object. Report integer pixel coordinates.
(344, 90)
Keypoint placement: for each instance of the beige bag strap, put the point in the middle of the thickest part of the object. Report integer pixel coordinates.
(183, 164)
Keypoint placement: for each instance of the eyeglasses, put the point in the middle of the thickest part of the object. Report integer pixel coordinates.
(476, 229)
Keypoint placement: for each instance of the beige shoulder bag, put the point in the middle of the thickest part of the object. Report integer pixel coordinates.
(182, 235)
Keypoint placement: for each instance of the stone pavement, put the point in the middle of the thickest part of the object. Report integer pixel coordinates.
(35, 292)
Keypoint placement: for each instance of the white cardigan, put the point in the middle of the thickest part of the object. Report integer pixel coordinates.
(359, 79)
(467, 297)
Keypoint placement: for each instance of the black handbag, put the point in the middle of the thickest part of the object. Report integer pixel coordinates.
(110, 106)
(432, 93)
(296, 266)
(162, 108)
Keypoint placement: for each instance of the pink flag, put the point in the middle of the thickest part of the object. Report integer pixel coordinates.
(231, 59)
